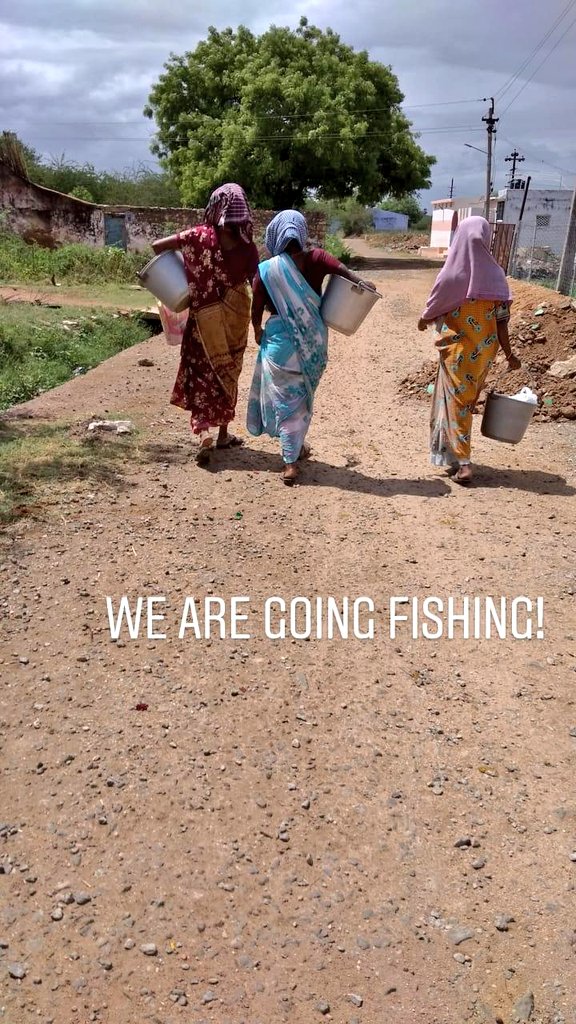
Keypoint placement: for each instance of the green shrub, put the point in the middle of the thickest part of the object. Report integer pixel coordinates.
(423, 224)
(336, 247)
(354, 219)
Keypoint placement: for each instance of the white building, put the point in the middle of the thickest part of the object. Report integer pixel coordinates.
(545, 218)
(544, 222)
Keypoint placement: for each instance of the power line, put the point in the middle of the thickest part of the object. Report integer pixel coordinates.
(259, 138)
(543, 61)
(510, 82)
(269, 117)
(448, 103)
(555, 167)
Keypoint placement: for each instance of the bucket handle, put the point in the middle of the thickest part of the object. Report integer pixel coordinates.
(362, 290)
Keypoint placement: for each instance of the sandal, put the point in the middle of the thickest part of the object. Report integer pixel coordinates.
(231, 442)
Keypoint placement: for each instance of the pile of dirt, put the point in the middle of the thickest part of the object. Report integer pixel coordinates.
(542, 332)
(398, 242)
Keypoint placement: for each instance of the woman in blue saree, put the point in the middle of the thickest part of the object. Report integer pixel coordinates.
(294, 342)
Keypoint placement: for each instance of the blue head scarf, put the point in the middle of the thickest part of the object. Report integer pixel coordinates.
(286, 227)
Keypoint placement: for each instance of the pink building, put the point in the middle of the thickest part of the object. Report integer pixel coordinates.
(447, 214)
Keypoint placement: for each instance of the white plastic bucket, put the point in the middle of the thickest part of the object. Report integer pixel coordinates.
(505, 418)
(346, 305)
(165, 277)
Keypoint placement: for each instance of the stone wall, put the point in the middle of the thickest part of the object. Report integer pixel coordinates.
(145, 224)
(50, 218)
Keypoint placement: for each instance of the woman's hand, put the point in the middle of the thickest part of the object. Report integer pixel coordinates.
(258, 332)
(422, 324)
(165, 244)
(367, 284)
(513, 362)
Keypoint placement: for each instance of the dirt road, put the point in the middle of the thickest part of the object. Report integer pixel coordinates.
(378, 830)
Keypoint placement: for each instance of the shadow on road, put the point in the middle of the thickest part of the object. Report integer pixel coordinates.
(321, 474)
(534, 480)
(368, 263)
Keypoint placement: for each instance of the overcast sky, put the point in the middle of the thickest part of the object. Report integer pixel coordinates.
(75, 74)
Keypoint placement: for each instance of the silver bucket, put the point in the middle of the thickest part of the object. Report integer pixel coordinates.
(346, 305)
(165, 277)
(506, 419)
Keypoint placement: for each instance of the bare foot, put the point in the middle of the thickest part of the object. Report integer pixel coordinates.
(463, 475)
(290, 474)
(305, 452)
(204, 450)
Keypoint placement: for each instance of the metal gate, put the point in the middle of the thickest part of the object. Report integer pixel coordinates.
(502, 241)
(115, 230)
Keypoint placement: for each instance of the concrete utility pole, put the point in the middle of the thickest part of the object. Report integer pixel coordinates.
(514, 158)
(490, 122)
(566, 275)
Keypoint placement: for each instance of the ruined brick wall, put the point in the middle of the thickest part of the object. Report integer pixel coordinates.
(50, 218)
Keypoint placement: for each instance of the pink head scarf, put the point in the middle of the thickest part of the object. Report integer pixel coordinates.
(470, 271)
(229, 205)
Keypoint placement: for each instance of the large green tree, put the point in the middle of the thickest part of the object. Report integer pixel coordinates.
(286, 113)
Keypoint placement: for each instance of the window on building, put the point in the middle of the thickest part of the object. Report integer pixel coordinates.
(542, 220)
(500, 211)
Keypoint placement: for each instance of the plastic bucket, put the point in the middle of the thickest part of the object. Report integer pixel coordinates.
(506, 419)
(346, 305)
(165, 277)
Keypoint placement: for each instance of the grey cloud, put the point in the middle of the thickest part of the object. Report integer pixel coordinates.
(128, 20)
(90, 64)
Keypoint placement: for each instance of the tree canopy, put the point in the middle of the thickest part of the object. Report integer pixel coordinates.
(285, 114)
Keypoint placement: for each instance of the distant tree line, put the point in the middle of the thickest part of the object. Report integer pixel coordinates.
(135, 186)
(355, 219)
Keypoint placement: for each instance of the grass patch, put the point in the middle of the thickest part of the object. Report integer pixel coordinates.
(115, 296)
(38, 461)
(41, 347)
(69, 264)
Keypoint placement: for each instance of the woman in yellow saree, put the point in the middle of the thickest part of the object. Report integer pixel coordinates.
(470, 305)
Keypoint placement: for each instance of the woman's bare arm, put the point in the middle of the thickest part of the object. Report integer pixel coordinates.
(164, 244)
(343, 271)
(504, 342)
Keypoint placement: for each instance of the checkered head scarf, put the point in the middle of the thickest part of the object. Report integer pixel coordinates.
(287, 226)
(229, 205)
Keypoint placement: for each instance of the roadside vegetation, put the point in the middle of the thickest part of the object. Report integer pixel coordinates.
(41, 347)
(21, 263)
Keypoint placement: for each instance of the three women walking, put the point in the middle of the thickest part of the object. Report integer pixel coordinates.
(469, 304)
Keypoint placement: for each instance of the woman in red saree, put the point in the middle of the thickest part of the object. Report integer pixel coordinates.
(220, 259)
